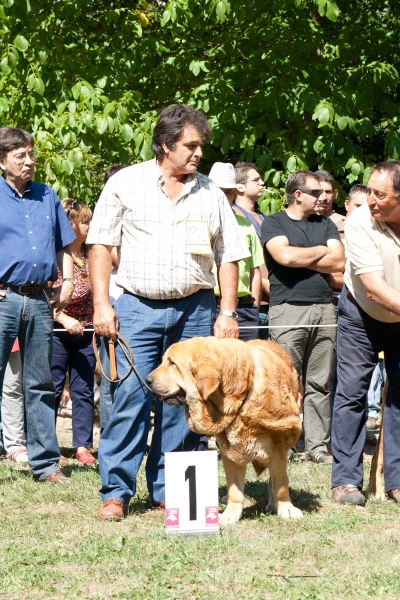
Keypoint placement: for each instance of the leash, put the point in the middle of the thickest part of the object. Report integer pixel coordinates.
(126, 350)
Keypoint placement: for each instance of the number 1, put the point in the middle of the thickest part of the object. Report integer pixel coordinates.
(190, 474)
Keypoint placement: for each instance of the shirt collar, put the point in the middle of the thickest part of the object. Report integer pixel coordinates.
(13, 189)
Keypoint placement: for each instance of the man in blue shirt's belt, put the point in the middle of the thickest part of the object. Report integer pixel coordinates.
(34, 237)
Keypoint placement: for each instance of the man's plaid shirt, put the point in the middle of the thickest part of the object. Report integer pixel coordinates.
(135, 214)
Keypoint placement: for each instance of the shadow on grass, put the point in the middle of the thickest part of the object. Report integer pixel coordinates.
(257, 491)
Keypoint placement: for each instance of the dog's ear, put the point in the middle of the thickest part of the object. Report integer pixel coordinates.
(207, 378)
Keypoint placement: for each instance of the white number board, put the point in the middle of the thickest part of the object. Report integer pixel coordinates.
(191, 493)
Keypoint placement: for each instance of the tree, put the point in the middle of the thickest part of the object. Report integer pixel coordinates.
(289, 84)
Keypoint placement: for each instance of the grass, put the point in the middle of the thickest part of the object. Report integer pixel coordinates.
(53, 548)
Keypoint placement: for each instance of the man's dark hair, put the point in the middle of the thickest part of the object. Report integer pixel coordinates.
(12, 138)
(357, 187)
(241, 170)
(112, 170)
(295, 182)
(325, 176)
(391, 167)
(171, 124)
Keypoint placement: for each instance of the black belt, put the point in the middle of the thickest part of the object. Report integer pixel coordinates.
(351, 298)
(242, 301)
(27, 289)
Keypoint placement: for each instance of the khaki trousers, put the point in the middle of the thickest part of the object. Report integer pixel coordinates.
(312, 351)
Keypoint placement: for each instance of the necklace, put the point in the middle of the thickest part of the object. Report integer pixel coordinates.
(81, 264)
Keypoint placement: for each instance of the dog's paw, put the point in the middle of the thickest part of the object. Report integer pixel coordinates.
(377, 495)
(231, 515)
(287, 511)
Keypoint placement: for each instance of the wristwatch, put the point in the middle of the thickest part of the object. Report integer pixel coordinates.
(69, 279)
(229, 313)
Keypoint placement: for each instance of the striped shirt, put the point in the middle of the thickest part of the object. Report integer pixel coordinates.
(135, 214)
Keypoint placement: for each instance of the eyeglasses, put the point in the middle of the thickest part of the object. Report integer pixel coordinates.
(259, 181)
(19, 159)
(315, 193)
(74, 206)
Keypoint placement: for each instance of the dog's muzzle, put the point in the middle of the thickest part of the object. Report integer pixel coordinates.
(178, 399)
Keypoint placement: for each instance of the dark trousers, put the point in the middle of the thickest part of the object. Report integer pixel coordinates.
(248, 316)
(360, 338)
(74, 354)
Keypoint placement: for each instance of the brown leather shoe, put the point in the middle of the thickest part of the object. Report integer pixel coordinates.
(160, 505)
(112, 510)
(394, 495)
(56, 477)
(348, 494)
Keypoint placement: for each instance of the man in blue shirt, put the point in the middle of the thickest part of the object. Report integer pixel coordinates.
(34, 237)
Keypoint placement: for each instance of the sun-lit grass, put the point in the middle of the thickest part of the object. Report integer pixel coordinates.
(53, 547)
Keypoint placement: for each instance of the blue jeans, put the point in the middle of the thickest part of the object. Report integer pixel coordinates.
(30, 319)
(149, 327)
(360, 338)
(74, 354)
(374, 396)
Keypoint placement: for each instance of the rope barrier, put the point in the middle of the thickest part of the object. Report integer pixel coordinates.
(242, 327)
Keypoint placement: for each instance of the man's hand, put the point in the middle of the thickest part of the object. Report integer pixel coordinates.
(105, 321)
(61, 296)
(226, 327)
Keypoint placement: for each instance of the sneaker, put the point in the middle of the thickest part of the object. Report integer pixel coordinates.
(321, 458)
(19, 456)
(348, 494)
(394, 495)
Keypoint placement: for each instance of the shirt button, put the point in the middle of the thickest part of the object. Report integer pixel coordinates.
(27, 216)
(33, 247)
(30, 232)
(32, 282)
(34, 265)
(47, 217)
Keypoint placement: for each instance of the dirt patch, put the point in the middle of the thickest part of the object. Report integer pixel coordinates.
(64, 434)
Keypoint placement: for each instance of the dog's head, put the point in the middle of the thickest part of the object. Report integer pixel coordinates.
(202, 369)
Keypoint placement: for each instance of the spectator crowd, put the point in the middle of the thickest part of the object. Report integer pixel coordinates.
(169, 254)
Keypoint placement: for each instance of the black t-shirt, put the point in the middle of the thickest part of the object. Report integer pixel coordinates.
(291, 284)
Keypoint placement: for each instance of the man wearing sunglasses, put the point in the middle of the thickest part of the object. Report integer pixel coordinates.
(301, 248)
(34, 238)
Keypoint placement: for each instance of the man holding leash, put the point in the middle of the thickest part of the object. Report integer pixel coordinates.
(170, 223)
(34, 237)
(369, 322)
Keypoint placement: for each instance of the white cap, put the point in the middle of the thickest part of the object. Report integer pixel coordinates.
(223, 175)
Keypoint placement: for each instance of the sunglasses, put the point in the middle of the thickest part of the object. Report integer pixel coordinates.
(74, 206)
(315, 193)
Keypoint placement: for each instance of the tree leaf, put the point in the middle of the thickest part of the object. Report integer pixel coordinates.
(21, 43)
(102, 125)
(127, 132)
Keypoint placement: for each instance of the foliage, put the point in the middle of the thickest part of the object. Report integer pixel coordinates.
(289, 84)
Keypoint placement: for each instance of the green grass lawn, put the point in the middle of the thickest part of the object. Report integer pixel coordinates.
(53, 547)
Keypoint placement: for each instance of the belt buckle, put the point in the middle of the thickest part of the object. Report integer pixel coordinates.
(24, 289)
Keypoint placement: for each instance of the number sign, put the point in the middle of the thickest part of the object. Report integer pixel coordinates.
(191, 493)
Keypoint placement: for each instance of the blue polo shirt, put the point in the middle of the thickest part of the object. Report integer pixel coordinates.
(33, 228)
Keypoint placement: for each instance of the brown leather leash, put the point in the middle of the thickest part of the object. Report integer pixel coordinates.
(126, 350)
